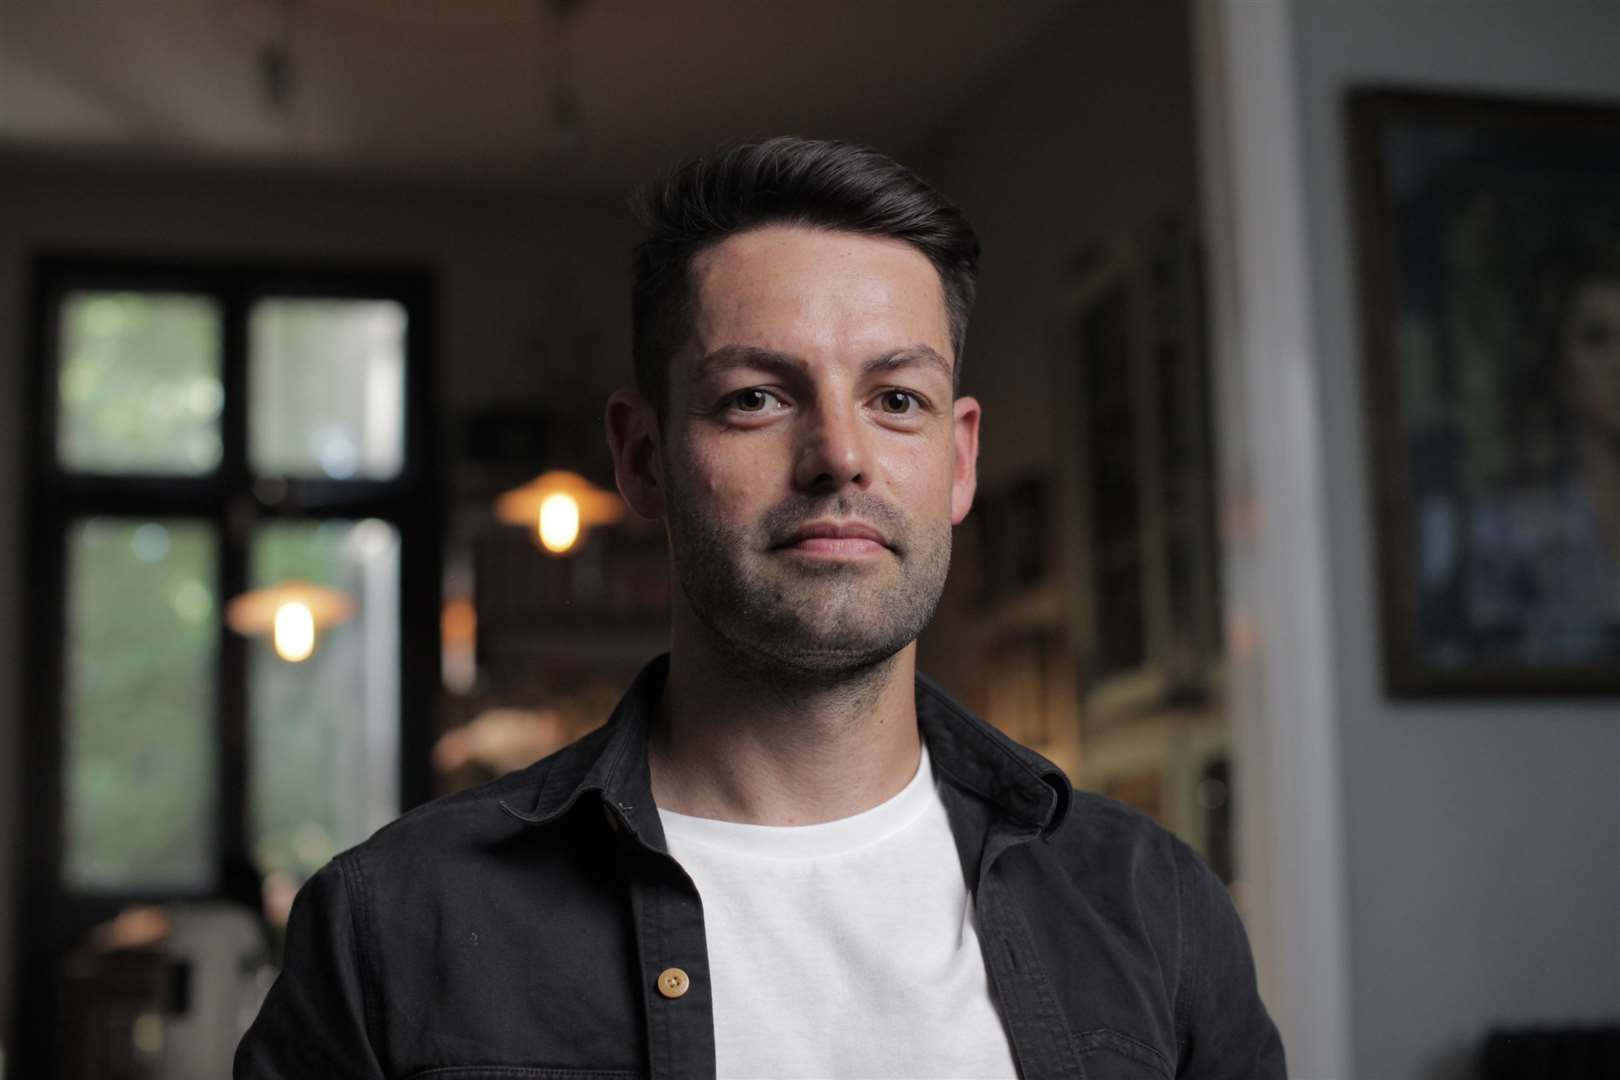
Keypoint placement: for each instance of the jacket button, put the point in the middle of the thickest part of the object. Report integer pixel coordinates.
(612, 819)
(673, 983)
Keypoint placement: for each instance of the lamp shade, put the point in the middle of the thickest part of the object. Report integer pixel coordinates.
(561, 507)
(290, 613)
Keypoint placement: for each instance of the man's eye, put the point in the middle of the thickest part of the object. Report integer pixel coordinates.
(898, 402)
(751, 400)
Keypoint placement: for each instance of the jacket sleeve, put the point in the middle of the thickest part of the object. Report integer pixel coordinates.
(1226, 1033)
(313, 1022)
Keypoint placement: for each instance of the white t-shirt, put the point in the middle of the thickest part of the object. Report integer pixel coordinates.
(845, 949)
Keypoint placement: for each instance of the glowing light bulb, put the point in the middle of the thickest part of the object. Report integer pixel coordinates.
(559, 522)
(294, 633)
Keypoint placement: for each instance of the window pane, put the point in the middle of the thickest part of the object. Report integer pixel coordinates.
(139, 700)
(325, 730)
(139, 386)
(327, 388)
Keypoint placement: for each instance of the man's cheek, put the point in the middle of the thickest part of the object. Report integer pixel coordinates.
(732, 481)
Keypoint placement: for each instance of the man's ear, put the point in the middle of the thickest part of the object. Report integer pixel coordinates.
(634, 440)
(965, 462)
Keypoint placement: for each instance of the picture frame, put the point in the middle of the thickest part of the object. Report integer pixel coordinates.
(1487, 238)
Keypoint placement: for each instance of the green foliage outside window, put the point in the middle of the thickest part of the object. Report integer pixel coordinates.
(142, 634)
(139, 383)
(311, 757)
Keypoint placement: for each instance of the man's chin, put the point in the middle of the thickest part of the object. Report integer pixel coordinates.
(805, 635)
(794, 619)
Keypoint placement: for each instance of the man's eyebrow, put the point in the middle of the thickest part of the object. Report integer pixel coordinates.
(729, 357)
(907, 357)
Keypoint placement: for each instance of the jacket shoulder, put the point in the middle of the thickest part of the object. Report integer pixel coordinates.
(1118, 847)
(1095, 818)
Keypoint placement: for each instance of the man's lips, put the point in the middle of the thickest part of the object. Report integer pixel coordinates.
(837, 538)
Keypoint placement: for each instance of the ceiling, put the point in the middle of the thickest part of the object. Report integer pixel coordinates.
(583, 95)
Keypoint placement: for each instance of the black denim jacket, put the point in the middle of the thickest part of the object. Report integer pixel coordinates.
(517, 931)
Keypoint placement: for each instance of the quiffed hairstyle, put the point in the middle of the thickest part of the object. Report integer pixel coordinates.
(792, 181)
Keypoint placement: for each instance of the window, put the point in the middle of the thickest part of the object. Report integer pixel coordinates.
(205, 432)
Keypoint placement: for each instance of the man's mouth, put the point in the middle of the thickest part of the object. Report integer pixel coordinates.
(836, 539)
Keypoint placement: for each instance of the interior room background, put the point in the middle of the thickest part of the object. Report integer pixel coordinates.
(445, 186)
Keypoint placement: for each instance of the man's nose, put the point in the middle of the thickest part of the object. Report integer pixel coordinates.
(834, 451)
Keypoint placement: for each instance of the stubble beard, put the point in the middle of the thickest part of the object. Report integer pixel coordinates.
(799, 621)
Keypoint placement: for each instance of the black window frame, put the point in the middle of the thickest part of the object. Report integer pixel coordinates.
(51, 917)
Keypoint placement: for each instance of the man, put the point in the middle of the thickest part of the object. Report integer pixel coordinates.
(787, 854)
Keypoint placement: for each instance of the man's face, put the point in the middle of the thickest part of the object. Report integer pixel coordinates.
(815, 458)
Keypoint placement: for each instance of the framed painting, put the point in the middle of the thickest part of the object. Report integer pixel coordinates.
(1488, 237)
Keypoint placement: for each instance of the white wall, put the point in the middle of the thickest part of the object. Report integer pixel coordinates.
(1482, 837)
(532, 309)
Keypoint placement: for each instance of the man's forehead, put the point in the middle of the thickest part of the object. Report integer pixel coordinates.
(767, 286)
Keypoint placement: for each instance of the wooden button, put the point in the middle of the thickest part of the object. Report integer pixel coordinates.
(673, 983)
(612, 818)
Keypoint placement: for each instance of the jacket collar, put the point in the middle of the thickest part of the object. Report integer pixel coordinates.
(610, 764)
(1016, 780)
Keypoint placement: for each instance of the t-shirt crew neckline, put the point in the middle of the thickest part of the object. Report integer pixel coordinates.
(827, 838)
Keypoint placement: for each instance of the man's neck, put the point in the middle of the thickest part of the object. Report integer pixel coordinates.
(736, 744)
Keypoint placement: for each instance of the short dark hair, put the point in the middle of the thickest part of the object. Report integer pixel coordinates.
(785, 180)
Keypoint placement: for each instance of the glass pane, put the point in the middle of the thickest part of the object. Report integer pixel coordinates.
(139, 387)
(327, 393)
(325, 730)
(139, 700)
